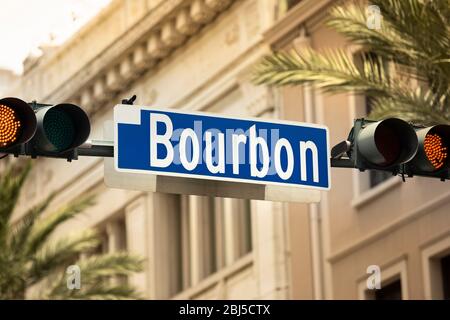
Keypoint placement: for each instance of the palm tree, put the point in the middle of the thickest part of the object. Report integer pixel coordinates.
(28, 258)
(414, 40)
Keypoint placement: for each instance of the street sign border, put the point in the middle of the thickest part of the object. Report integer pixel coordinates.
(216, 115)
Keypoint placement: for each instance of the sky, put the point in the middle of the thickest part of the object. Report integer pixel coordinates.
(26, 24)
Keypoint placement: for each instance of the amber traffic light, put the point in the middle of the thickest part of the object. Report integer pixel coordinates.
(17, 123)
(435, 150)
(432, 155)
(9, 126)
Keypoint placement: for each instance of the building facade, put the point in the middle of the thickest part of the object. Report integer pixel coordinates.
(7, 80)
(198, 55)
(194, 55)
(368, 221)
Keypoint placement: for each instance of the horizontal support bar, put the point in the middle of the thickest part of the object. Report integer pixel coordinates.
(342, 163)
(96, 148)
(100, 148)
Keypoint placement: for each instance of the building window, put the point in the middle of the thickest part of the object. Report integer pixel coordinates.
(394, 283)
(436, 270)
(445, 272)
(391, 291)
(113, 239)
(102, 247)
(117, 236)
(209, 234)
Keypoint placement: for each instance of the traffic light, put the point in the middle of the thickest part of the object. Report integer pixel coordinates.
(432, 158)
(17, 123)
(384, 144)
(395, 146)
(42, 130)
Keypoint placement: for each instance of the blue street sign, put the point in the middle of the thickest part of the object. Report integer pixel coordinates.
(209, 146)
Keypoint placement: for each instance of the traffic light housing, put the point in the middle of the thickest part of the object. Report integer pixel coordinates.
(42, 130)
(396, 146)
(384, 144)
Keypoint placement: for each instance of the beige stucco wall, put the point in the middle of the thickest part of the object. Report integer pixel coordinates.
(210, 72)
(391, 225)
(300, 251)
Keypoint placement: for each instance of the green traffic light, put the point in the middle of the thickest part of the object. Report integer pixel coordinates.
(59, 129)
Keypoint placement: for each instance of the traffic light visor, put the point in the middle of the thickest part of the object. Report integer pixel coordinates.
(388, 142)
(17, 122)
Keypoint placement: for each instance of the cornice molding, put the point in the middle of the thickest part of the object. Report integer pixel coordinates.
(141, 48)
(293, 20)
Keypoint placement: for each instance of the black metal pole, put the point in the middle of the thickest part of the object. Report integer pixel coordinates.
(97, 149)
(106, 149)
(341, 163)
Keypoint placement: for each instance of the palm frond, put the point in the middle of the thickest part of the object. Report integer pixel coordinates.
(57, 255)
(99, 291)
(350, 20)
(405, 37)
(333, 71)
(415, 19)
(113, 264)
(422, 112)
(21, 230)
(46, 226)
(12, 278)
(11, 183)
(95, 272)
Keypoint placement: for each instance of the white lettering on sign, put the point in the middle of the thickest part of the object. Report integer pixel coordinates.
(304, 147)
(190, 143)
(237, 140)
(220, 166)
(163, 139)
(284, 174)
(256, 141)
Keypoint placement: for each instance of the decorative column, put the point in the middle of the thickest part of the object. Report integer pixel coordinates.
(270, 249)
(136, 222)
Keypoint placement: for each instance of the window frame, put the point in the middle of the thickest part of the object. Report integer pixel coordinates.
(396, 270)
(431, 266)
(200, 262)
